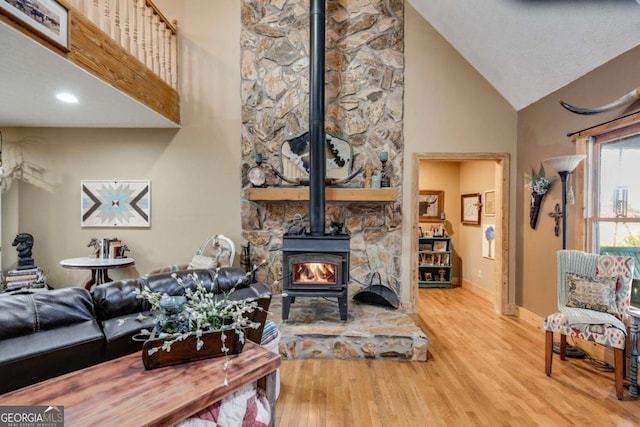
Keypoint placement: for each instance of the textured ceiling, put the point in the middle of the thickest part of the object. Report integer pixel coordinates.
(525, 48)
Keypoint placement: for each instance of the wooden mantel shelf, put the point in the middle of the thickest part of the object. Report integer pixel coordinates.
(280, 194)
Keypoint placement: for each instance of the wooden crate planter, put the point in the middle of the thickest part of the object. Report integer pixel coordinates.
(186, 351)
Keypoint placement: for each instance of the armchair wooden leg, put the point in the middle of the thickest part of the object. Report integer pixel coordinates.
(548, 352)
(618, 356)
(563, 347)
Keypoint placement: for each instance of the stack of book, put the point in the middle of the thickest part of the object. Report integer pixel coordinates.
(24, 278)
(110, 248)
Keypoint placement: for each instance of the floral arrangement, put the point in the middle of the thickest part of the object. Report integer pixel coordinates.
(203, 311)
(538, 182)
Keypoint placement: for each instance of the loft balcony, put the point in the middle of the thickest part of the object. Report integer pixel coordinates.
(120, 60)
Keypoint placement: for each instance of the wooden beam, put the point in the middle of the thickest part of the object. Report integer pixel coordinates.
(279, 194)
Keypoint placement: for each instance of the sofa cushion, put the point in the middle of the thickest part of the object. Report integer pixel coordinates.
(120, 331)
(31, 358)
(30, 313)
(115, 299)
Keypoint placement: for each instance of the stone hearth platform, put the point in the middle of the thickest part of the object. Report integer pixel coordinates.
(314, 331)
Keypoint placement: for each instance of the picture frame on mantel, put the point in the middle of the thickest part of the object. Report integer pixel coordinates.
(47, 18)
(470, 206)
(430, 205)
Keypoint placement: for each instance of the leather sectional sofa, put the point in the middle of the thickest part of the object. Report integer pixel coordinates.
(50, 333)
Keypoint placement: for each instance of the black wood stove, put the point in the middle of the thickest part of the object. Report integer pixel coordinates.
(316, 263)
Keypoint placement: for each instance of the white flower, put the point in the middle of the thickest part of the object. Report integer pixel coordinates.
(538, 182)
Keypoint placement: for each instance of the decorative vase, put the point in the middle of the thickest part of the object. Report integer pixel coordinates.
(186, 350)
(171, 319)
(534, 212)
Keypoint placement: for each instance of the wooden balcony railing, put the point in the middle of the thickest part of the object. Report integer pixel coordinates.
(140, 28)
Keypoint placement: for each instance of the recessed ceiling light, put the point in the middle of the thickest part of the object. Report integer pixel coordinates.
(67, 97)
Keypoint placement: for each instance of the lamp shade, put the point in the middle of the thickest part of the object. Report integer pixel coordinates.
(565, 163)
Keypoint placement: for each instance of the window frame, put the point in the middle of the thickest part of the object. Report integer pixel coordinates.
(587, 176)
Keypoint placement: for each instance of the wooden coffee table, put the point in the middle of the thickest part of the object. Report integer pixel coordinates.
(121, 392)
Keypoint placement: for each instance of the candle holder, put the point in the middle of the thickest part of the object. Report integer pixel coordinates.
(385, 179)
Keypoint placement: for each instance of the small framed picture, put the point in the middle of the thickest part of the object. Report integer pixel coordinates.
(445, 259)
(440, 245)
(428, 259)
(490, 203)
(430, 205)
(427, 277)
(470, 205)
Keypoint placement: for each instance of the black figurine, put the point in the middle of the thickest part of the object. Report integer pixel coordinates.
(24, 243)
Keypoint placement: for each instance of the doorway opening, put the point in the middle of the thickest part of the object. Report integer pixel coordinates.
(498, 290)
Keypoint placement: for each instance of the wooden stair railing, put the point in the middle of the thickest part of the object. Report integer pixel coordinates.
(140, 28)
(128, 44)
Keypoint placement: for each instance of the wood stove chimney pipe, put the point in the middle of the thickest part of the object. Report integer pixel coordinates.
(317, 161)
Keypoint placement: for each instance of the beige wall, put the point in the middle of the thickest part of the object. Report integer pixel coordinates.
(449, 107)
(477, 177)
(194, 172)
(542, 133)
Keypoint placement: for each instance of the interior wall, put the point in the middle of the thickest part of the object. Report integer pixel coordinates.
(477, 177)
(542, 133)
(194, 171)
(449, 107)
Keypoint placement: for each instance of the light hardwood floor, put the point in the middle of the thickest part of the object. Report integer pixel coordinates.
(483, 370)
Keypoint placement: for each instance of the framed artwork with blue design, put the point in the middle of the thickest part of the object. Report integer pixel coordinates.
(115, 203)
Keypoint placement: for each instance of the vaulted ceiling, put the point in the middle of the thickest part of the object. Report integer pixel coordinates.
(528, 49)
(525, 48)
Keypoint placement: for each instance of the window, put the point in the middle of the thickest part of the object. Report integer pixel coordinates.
(612, 215)
(614, 209)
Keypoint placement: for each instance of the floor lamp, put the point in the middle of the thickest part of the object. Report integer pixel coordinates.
(565, 165)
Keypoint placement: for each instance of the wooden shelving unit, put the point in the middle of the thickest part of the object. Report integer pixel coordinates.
(434, 262)
(283, 194)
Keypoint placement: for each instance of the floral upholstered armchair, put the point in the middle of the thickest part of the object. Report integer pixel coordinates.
(594, 293)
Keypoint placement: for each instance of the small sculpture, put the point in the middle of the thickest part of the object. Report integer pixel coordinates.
(95, 243)
(123, 250)
(24, 243)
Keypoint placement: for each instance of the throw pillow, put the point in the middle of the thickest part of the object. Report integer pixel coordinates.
(592, 293)
(201, 261)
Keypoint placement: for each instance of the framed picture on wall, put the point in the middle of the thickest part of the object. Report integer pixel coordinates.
(48, 18)
(470, 205)
(490, 203)
(430, 205)
(115, 203)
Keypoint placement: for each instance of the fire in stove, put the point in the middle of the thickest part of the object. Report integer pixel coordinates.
(314, 272)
